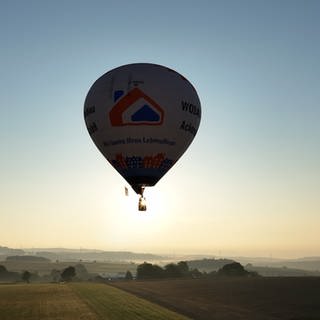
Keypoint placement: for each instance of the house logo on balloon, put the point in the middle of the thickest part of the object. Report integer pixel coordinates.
(135, 109)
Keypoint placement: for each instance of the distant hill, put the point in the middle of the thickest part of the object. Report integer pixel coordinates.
(302, 264)
(27, 258)
(281, 272)
(95, 255)
(307, 263)
(7, 276)
(5, 251)
(201, 262)
(65, 254)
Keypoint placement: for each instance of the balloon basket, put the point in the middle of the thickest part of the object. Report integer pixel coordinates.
(142, 205)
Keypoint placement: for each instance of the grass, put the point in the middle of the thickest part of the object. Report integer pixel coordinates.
(42, 301)
(76, 301)
(112, 303)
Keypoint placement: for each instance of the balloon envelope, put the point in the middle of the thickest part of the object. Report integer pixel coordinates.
(142, 117)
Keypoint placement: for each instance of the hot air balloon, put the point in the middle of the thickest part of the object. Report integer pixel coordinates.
(142, 117)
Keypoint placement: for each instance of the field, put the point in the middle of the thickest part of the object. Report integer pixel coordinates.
(199, 299)
(227, 298)
(45, 301)
(87, 301)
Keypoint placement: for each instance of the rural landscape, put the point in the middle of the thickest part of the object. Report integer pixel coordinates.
(34, 287)
(160, 160)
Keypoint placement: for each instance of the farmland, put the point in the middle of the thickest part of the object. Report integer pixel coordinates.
(107, 268)
(45, 301)
(234, 298)
(76, 301)
(199, 299)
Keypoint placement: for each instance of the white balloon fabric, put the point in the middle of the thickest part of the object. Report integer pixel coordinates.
(142, 117)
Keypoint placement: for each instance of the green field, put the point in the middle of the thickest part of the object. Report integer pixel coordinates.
(112, 303)
(76, 301)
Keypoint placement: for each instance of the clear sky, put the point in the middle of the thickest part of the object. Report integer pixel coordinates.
(250, 182)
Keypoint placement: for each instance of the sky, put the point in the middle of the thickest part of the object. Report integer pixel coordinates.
(248, 185)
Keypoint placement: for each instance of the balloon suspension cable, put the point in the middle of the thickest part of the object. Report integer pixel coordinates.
(142, 205)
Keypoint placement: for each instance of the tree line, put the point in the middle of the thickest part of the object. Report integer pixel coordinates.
(181, 270)
(77, 272)
(145, 271)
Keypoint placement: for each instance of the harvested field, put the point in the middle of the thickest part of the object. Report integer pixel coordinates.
(42, 301)
(78, 301)
(234, 298)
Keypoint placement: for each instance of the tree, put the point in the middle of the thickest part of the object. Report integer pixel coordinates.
(55, 275)
(68, 273)
(149, 271)
(82, 272)
(179, 270)
(184, 268)
(195, 273)
(172, 271)
(3, 269)
(128, 275)
(26, 275)
(233, 269)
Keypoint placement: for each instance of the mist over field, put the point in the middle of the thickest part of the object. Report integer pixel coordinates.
(113, 263)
